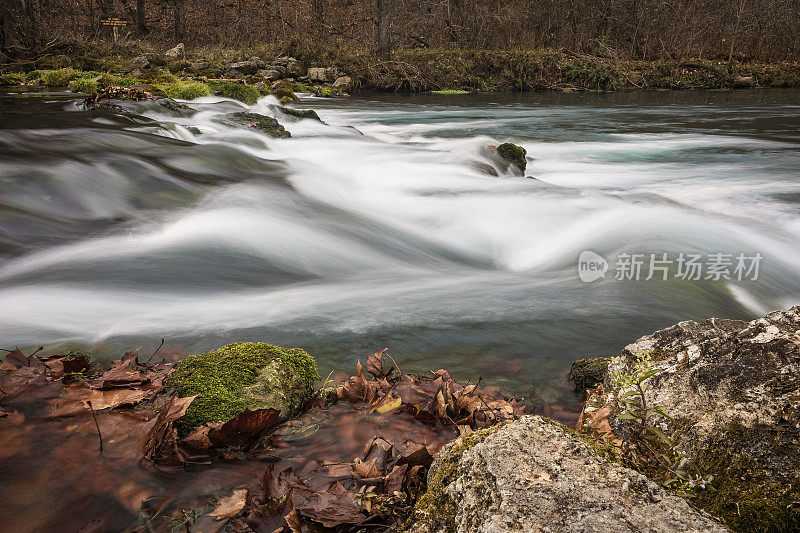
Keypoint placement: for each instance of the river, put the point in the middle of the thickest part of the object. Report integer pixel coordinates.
(379, 229)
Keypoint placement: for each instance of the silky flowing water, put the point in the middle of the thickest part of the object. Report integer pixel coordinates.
(379, 228)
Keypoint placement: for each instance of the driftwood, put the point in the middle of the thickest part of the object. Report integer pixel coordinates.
(736, 80)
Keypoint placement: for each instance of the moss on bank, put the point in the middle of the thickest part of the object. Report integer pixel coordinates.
(586, 373)
(243, 375)
(748, 497)
(435, 508)
(238, 91)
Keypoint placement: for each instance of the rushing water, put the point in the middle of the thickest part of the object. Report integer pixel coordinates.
(378, 229)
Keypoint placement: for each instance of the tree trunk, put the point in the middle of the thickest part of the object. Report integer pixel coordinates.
(384, 38)
(319, 22)
(141, 16)
(178, 20)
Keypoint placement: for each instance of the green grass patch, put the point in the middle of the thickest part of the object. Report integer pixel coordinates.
(14, 78)
(450, 91)
(83, 85)
(59, 77)
(239, 91)
(185, 90)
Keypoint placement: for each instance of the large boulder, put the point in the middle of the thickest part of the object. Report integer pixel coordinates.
(294, 68)
(319, 74)
(243, 375)
(535, 475)
(248, 68)
(733, 388)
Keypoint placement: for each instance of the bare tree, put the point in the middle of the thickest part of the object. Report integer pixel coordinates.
(141, 16)
(384, 37)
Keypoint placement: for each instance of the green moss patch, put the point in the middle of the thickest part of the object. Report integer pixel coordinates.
(83, 85)
(12, 79)
(513, 154)
(243, 375)
(748, 497)
(435, 508)
(586, 373)
(60, 77)
(186, 90)
(239, 91)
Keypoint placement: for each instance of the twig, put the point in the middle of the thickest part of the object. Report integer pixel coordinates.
(395, 363)
(94, 417)
(154, 353)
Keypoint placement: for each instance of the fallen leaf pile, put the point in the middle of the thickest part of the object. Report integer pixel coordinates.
(357, 456)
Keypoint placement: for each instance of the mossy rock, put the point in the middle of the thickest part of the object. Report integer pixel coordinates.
(240, 376)
(586, 373)
(265, 124)
(435, 509)
(513, 154)
(8, 80)
(298, 113)
(747, 496)
(283, 91)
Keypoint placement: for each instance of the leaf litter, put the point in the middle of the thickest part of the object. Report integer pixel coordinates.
(357, 457)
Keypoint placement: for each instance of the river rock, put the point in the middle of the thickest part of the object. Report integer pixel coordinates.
(344, 83)
(733, 388)
(173, 54)
(534, 475)
(513, 154)
(248, 68)
(319, 74)
(269, 74)
(282, 89)
(294, 68)
(140, 62)
(586, 373)
(265, 124)
(243, 375)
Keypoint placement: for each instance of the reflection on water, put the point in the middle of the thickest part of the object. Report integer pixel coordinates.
(379, 229)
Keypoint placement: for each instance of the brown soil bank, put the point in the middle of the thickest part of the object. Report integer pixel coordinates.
(430, 69)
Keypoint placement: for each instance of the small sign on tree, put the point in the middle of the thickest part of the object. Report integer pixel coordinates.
(113, 23)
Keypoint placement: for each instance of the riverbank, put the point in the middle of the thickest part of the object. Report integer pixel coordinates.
(415, 70)
(701, 415)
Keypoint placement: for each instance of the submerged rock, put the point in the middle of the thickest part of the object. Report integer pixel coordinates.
(534, 475)
(513, 154)
(734, 390)
(296, 113)
(265, 124)
(243, 375)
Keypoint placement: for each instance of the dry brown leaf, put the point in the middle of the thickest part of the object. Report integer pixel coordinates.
(230, 506)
